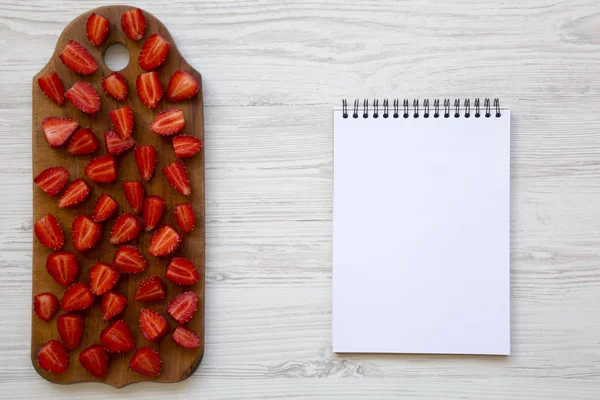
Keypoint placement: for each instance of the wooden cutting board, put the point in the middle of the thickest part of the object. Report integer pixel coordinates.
(177, 363)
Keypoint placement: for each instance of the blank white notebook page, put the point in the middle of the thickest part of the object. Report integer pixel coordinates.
(421, 250)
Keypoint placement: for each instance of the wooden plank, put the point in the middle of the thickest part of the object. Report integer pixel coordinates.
(272, 72)
(178, 363)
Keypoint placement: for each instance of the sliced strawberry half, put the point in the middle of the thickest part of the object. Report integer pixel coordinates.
(186, 146)
(45, 306)
(103, 278)
(134, 193)
(52, 180)
(133, 24)
(75, 194)
(77, 297)
(127, 227)
(154, 52)
(112, 303)
(82, 142)
(154, 207)
(150, 289)
(145, 158)
(164, 241)
(178, 178)
(129, 260)
(104, 208)
(52, 87)
(117, 337)
(62, 267)
(115, 85)
(49, 232)
(183, 307)
(102, 169)
(97, 29)
(115, 145)
(85, 232)
(122, 120)
(70, 329)
(53, 357)
(184, 217)
(185, 338)
(149, 89)
(153, 325)
(146, 361)
(58, 130)
(168, 122)
(84, 97)
(182, 272)
(95, 360)
(78, 59)
(182, 86)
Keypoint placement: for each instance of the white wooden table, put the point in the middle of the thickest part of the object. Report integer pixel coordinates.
(272, 71)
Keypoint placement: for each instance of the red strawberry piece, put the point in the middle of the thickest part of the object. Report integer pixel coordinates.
(134, 193)
(49, 232)
(154, 52)
(146, 361)
(78, 59)
(117, 337)
(82, 142)
(153, 325)
(150, 289)
(184, 217)
(127, 227)
(58, 130)
(129, 260)
(178, 178)
(85, 232)
(112, 304)
(182, 86)
(102, 169)
(63, 267)
(84, 97)
(122, 120)
(70, 329)
(104, 208)
(95, 360)
(186, 146)
(97, 29)
(115, 145)
(75, 194)
(164, 241)
(77, 297)
(45, 306)
(168, 122)
(52, 180)
(115, 86)
(52, 87)
(53, 357)
(182, 272)
(149, 89)
(185, 338)
(103, 278)
(133, 24)
(183, 307)
(145, 158)
(154, 207)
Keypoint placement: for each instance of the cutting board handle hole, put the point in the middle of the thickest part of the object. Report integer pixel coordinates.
(116, 57)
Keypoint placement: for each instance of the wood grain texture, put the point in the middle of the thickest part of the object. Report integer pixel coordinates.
(177, 363)
(272, 71)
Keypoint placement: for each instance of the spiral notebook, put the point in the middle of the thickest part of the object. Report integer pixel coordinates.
(421, 227)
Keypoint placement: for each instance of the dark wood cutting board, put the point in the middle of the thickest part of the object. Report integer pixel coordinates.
(177, 363)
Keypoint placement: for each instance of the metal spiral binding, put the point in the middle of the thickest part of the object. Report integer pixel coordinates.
(417, 111)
